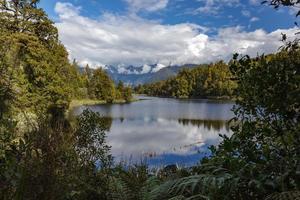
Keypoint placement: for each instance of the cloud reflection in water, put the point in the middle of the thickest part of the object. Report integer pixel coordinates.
(164, 141)
(165, 130)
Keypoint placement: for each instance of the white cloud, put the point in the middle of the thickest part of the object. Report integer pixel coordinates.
(129, 140)
(246, 13)
(213, 7)
(66, 10)
(254, 19)
(293, 10)
(255, 2)
(147, 5)
(146, 69)
(131, 40)
(158, 67)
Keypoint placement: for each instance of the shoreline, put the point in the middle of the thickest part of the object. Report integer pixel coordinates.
(91, 102)
(217, 98)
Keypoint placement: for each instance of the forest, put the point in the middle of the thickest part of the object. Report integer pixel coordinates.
(205, 81)
(46, 155)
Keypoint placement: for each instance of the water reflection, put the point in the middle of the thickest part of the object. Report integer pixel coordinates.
(162, 140)
(216, 125)
(166, 131)
(166, 108)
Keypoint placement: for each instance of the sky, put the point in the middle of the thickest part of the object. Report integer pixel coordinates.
(169, 32)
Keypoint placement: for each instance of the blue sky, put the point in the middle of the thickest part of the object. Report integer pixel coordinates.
(182, 11)
(141, 32)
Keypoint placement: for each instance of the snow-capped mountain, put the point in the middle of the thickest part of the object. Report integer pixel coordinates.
(144, 69)
(132, 75)
(144, 74)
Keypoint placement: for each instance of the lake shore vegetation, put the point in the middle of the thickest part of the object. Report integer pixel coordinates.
(206, 81)
(53, 158)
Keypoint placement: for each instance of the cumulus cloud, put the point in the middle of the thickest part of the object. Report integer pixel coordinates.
(131, 40)
(66, 10)
(127, 139)
(147, 5)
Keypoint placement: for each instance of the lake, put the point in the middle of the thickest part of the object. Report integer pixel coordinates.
(163, 131)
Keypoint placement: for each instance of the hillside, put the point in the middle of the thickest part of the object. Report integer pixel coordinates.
(142, 78)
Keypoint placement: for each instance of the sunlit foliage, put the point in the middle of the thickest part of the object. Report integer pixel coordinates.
(212, 80)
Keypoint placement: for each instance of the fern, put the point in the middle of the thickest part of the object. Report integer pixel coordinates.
(118, 189)
(291, 195)
(151, 184)
(203, 186)
(132, 183)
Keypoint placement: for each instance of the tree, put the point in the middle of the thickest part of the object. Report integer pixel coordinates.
(8, 144)
(23, 16)
(213, 80)
(123, 92)
(101, 86)
(40, 61)
(262, 156)
(289, 3)
(35, 89)
(93, 154)
(127, 94)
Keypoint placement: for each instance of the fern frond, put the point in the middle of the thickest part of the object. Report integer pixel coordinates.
(200, 186)
(291, 195)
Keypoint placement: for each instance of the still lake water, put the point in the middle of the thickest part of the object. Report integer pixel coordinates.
(164, 131)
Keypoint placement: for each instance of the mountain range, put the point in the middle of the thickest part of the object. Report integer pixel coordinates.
(132, 75)
(144, 74)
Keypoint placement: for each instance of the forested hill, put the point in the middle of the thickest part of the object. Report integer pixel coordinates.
(134, 77)
(213, 80)
(142, 78)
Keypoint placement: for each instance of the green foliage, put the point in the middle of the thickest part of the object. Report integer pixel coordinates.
(262, 156)
(101, 86)
(132, 183)
(39, 156)
(211, 183)
(56, 160)
(78, 82)
(92, 169)
(23, 16)
(212, 80)
(44, 156)
(38, 63)
(291, 195)
(90, 139)
(44, 161)
(123, 92)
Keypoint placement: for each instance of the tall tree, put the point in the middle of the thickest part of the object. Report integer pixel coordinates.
(101, 86)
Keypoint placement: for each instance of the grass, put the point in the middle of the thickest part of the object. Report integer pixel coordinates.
(90, 102)
(85, 102)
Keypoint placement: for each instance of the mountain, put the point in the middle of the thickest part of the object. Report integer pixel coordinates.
(132, 75)
(144, 74)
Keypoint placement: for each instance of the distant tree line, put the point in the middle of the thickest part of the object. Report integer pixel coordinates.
(213, 80)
